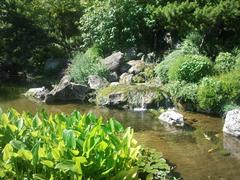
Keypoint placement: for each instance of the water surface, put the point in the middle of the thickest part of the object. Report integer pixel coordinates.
(200, 151)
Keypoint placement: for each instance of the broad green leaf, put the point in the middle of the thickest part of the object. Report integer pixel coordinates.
(69, 139)
(47, 163)
(7, 152)
(5, 119)
(56, 154)
(12, 127)
(67, 165)
(25, 154)
(17, 144)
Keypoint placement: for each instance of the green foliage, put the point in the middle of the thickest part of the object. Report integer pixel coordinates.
(162, 68)
(74, 146)
(190, 68)
(87, 64)
(211, 94)
(112, 25)
(182, 92)
(224, 62)
(152, 165)
(229, 107)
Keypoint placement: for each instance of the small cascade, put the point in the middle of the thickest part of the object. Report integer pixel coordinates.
(142, 108)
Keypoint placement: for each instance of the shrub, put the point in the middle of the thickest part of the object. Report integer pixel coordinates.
(190, 68)
(162, 68)
(67, 147)
(191, 44)
(84, 65)
(211, 94)
(224, 62)
(182, 92)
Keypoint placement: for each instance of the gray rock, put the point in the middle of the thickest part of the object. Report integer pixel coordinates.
(131, 96)
(172, 117)
(126, 78)
(114, 61)
(232, 123)
(67, 91)
(97, 82)
(114, 84)
(137, 66)
(113, 77)
(37, 93)
(124, 68)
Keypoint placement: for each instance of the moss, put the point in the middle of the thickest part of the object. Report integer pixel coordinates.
(133, 94)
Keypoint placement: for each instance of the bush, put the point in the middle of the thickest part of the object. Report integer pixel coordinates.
(68, 147)
(224, 62)
(190, 68)
(86, 64)
(191, 44)
(162, 68)
(182, 92)
(211, 94)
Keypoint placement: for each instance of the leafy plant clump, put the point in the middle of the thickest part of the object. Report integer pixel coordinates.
(59, 146)
(87, 64)
(190, 68)
(224, 63)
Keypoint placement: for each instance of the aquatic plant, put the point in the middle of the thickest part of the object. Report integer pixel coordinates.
(59, 146)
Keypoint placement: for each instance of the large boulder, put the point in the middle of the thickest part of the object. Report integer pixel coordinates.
(130, 96)
(67, 91)
(126, 78)
(232, 123)
(97, 82)
(37, 93)
(172, 117)
(114, 61)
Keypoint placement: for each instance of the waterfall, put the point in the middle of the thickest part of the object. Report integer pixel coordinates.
(142, 106)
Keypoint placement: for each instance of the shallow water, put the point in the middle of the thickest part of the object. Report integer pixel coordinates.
(197, 151)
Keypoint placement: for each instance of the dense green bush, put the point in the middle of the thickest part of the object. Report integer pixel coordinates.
(211, 94)
(162, 68)
(224, 62)
(190, 68)
(113, 25)
(182, 92)
(75, 146)
(87, 64)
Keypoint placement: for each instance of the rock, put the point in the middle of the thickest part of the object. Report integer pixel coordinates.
(126, 78)
(124, 68)
(67, 91)
(172, 117)
(232, 123)
(137, 66)
(113, 77)
(131, 96)
(37, 93)
(114, 84)
(114, 61)
(231, 145)
(97, 82)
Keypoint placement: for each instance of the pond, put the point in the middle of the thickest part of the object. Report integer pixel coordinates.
(200, 151)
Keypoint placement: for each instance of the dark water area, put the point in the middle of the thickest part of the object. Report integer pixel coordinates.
(200, 152)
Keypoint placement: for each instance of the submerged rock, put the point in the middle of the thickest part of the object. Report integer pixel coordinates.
(232, 123)
(37, 93)
(97, 82)
(67, 91)
(231, 145)
(172, 117)
(114, 61)
(130, 96)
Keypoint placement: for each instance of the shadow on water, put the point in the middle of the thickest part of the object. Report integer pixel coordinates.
(200, 151)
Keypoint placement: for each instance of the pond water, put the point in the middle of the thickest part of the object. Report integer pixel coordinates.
(200, 151)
